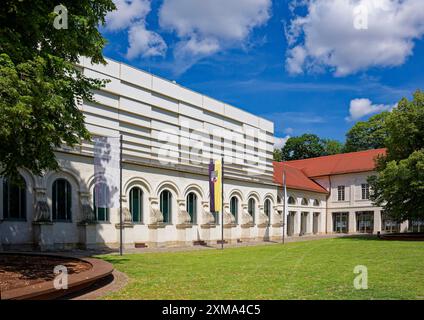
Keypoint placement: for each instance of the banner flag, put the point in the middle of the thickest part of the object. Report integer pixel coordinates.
(106, 171)
(215, 185)
(218, 185)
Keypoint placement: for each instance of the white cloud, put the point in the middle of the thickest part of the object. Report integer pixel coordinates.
(363, 107)
(296, 59)
(144, 43)
(280, 142)
(326, 36)
(131, 15)
(127, 13)
(289, 130)
(208, 26)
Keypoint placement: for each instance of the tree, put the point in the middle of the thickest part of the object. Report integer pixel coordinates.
(309, 146)
(278, 155)
(399, 183)
(40, 87)
(366, 135)
(332, 147)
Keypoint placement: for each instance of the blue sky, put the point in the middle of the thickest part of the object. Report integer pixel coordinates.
(314, 66)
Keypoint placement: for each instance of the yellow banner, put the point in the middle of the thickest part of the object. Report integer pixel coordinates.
(218, 185)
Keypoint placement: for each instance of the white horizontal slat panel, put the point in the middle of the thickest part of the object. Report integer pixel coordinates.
(101, 111)
(135, 107)
(213, 105)
(106, 98)
(134, 119)
(96, 120)
(135, 76)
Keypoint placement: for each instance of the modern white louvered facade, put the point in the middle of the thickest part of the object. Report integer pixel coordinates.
(168, 125)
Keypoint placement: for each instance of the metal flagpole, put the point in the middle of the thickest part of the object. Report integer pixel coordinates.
(222, 203)
(120, 197)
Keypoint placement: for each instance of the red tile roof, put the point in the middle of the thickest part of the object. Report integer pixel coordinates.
(361, 161)
(299, 172)
(295, 178)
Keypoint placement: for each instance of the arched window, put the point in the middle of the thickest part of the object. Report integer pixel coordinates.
(316, 203)
(234, 207)
(166, 205)
(291, 200)
(267, 207)
(191, 206)
(101, 198)
(61, 200)
(136, 204)
(305, 202)
(14, 199)
(251, 207)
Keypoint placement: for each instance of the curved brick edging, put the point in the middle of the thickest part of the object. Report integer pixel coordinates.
(402, 236)
(101, 290)
(46, 291)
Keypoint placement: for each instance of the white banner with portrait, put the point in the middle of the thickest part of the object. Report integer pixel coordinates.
(106, 171)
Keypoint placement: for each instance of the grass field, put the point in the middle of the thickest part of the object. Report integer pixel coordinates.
(320, 269)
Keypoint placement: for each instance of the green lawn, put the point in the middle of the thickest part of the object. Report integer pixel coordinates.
(321, 269)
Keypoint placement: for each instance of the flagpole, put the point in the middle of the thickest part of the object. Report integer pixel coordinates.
(222, 203)
(120, 196)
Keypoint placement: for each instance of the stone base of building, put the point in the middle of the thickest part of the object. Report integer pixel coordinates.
(43, 236)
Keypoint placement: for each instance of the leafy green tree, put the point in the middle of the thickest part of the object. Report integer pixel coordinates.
(278, 155)
(332, 146)
(366, 135)
(309, 146)
(399, 183)
(40, 86)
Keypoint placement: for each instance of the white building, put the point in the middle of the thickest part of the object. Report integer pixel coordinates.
(338, 190)
(170, 134)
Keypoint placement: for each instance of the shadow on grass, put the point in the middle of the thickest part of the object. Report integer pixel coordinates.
(359, 237)
(114, 259)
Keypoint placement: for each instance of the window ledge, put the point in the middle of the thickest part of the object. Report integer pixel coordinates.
(13, 220)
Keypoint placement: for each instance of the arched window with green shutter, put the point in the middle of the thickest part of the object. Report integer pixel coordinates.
(191, 206)
(61, 201)
(166, 205)
(101, 210)
(267, 207)
(234, 207)
(251, 208)
(14, 199)
(136, 204)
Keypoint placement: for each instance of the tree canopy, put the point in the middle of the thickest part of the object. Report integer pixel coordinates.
(40, 87)
(399, 183)
(308, 146)
(366, 135)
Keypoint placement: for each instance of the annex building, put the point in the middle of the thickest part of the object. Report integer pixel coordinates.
(169, 136)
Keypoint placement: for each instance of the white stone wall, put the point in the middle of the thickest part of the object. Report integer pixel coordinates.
(353, 202)
(310, 208)
(79, 171)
